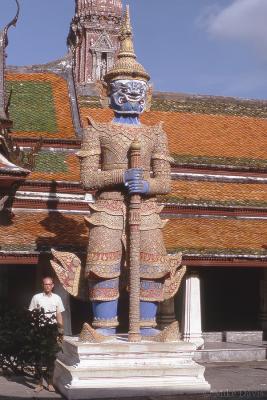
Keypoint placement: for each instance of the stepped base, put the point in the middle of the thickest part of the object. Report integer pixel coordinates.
(233, 336)
(232, 352)
(232, 346)
(123, 369)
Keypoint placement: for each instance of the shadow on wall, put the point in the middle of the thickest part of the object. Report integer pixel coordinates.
(69, 232)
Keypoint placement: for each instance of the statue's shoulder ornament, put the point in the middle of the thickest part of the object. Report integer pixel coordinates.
(159, 128)
(90, 141)
(162, 153)
(95, 126)
(156, 129)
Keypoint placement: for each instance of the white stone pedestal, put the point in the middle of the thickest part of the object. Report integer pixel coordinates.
(123, 369)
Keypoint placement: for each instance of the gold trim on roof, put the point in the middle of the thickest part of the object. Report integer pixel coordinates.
(126, 66)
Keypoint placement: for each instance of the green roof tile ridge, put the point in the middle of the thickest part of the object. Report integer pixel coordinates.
(218, 251)
(210, 105)
(182, 159)
(204, 202)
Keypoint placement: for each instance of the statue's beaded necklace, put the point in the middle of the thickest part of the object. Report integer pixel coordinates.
(126, 119)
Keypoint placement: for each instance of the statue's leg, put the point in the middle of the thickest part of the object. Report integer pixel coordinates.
(103, 271)
(148, 311)
(152, 273)
(105, 313)
(104, 304)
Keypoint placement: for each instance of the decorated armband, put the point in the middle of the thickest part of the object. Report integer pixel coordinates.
(160, 182)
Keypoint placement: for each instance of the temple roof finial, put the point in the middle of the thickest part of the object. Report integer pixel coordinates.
(3, 45)
(13, 22)
(126, 66)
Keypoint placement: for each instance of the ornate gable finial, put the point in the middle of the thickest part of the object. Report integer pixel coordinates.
(9, 151)
(3, 45)
(126, 66)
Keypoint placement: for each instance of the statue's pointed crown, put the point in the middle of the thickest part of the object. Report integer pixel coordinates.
(126, 67)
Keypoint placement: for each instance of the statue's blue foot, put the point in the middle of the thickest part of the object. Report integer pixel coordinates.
(107, 331)
(149, 331)
(105, 317)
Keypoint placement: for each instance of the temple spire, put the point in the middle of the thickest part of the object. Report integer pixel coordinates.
(86, 7)
(94, 38)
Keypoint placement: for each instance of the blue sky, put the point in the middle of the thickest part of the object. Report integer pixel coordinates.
(216, 47)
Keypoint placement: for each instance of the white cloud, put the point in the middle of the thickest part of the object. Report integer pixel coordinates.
(243, 20)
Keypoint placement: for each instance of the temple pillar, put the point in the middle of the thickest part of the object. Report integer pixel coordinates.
(3, 282)
(166, 313)
(263, 303)
(65, 297)
(192, 329)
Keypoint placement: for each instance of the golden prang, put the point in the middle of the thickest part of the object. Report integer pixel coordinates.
(126, 67)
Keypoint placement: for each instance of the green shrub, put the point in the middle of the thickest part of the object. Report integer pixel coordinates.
(28, 341)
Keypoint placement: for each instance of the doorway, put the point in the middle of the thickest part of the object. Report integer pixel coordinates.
(230, 299)
(18, 284)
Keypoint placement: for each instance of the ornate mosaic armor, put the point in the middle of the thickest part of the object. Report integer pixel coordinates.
(105, 168)
(110, 144)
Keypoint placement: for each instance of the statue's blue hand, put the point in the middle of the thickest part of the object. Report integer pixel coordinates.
(138, 187)
(133, 174)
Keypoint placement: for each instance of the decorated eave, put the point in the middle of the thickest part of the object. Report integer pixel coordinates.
(10, 173)
(32, 257)
(5, 123)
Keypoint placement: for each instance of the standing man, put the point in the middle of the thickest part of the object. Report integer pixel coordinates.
(53, 307)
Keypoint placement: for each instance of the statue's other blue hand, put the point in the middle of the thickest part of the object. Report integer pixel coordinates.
(133, 174)
(138, 187)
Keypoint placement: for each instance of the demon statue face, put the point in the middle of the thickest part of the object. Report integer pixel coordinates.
(128, 96)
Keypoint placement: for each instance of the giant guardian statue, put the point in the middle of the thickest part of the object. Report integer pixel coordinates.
(127, 164)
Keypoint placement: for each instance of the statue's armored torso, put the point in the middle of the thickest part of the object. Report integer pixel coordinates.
(105, 158)
(107, 145)
(115, 141)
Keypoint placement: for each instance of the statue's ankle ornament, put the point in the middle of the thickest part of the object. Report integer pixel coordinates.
(91, 335)
(169, 334)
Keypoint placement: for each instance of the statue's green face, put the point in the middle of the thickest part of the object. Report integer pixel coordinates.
(128, 96)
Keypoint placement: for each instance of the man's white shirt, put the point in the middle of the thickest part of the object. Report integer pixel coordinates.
(52, 304)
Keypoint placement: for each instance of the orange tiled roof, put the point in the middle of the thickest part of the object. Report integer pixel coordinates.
(203, 134)
(37, 230)
(215, 233)
(219, 191)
